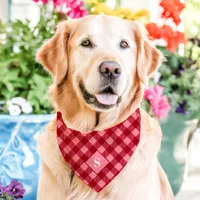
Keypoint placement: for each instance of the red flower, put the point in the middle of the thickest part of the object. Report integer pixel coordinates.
(172, 9)
(173, 38)
(169, 37)
(173, 42)
(154, 31)
(167, 32)
(180, 37)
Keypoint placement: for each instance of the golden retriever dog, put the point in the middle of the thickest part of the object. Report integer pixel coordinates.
(100, 66)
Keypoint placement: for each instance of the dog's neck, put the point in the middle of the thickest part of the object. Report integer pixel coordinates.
(78, 116)
(87, 120)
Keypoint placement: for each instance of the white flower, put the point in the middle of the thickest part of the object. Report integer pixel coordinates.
(17, 105)
(156, 76)
(9, 103)
(27, 108)
(18, 100)
(8, 29)
(14, 110)
(16, 49)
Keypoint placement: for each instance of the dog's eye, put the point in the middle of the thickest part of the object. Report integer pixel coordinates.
(86, 43)
(124, 44)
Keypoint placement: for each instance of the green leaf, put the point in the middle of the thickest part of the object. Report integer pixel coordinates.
(173, 61)
(20, 75)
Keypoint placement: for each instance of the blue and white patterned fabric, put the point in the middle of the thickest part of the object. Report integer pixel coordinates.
(19, 158)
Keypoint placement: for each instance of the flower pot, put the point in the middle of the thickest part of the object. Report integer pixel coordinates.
(18, 153)
(176, 129)
(190, 188)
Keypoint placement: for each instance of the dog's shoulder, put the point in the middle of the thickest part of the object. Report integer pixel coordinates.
(151, 133)
(47, 142)
(48, 134)
(149, 124)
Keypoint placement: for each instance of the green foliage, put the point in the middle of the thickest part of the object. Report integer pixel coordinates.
(20, 74)
(180, 76)
(192, 51)
(191, 18)
(6, 197)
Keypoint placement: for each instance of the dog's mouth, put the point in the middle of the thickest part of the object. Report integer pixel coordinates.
(105, 98)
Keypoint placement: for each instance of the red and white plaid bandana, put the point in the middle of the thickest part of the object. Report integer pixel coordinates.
(99, 156)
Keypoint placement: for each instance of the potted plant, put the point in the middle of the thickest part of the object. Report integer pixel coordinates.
(179, 77)
(24, 105)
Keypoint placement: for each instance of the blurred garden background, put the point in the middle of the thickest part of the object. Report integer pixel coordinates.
(173, 96)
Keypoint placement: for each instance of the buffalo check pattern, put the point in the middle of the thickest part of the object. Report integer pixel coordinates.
(98, 157)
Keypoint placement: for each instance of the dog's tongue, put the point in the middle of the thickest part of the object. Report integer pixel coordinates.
(107, 99)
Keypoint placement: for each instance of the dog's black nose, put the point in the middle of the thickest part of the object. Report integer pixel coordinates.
(110, 69)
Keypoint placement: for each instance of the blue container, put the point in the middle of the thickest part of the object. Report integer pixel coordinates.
(19, 158)
(176, 129)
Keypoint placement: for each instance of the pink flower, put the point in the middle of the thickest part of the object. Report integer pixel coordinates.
(77, 12)
(43, 1)
(159, 103)
(152, 93)
(59, 2)
(75, 7)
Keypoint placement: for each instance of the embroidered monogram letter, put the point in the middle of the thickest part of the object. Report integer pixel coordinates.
(97, 162)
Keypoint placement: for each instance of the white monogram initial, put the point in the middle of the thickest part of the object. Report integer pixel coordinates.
(97, 162)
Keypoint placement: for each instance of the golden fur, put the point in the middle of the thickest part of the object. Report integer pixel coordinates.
(142, 178)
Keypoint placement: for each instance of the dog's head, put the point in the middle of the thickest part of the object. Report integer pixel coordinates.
(98, 62)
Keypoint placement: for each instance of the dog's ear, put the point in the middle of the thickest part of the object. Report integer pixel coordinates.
(53, 54)
(149, 58)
